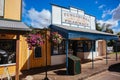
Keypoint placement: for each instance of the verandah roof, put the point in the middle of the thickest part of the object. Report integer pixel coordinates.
(75, 32)
(13, 25)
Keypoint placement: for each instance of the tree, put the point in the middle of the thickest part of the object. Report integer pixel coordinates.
(109, 30)
(98, 28)
(118, 33)
(111, 42)
(105, 28)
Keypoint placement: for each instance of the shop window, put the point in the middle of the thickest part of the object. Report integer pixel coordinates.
(38, 52)
(85, 46)
(58, 49)
(7, 51)
(74, 46)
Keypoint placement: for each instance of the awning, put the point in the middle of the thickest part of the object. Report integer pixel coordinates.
(13, 25)
(75, 32)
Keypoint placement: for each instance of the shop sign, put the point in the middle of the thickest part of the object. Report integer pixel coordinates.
(76, 19)
(72, 17)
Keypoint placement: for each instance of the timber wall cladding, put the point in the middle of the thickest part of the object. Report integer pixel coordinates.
(23, 56)
(7, 36)
(12, 11)
(11, 70)
(39, 62)
(27, 58)
(26, 55)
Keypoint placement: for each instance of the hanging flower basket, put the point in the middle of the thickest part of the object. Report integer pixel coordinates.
(35, 40)
(55, 38)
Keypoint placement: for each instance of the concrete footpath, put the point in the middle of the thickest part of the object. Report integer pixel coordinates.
(59, 72)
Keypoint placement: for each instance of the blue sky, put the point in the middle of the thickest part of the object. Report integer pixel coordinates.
(107, 12)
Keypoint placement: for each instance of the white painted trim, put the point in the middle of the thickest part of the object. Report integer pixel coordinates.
(8, 64)
(58, 59)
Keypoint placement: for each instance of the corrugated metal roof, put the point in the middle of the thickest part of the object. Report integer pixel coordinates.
(82, 30)
(13, 25)
(75, 32)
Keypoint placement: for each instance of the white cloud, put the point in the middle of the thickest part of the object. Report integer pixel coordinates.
(39, 19)
(105, 13)
(108, 23)
(35, 18)
(23, 7)
(116, 30)
(116, 13)
(101, 6)
(113, 21)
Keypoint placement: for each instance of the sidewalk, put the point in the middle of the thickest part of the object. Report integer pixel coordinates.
(59, 72)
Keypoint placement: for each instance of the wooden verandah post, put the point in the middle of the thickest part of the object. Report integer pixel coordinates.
(17, 57)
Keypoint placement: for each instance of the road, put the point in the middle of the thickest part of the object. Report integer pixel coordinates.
(106, 75)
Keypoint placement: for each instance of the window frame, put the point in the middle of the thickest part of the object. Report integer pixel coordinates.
(7, 64)
(81, 44)
(40, 52)
(62, 45)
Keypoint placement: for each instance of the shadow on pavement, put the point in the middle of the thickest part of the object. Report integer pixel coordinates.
(40, 70)
(60, 72)
(114, 67)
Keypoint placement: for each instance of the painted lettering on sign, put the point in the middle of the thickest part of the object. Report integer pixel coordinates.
(76, 19)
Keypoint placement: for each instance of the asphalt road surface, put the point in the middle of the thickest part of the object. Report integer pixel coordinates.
(113, 73)
(106, 75)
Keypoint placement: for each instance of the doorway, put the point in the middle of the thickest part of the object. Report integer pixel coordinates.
(100, 48)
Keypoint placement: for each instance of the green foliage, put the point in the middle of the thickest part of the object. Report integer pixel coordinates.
(109, 30)
(111, 43)
(98, 28)
(118, 33)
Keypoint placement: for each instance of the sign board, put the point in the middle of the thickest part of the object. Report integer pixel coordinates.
(72, 17)
(1, 7)
(76, 19)
(110, 49)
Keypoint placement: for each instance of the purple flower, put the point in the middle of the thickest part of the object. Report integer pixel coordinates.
(35, 40)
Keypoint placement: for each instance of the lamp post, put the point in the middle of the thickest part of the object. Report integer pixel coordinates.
(46, 68)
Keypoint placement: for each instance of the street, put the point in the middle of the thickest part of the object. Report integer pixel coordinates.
(106, 75)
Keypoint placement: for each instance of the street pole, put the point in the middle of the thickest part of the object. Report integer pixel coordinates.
(46, 78)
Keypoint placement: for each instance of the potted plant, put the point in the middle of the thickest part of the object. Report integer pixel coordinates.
(35, 39)
(55, 38)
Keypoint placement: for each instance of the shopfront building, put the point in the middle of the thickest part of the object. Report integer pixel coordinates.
(80, 35)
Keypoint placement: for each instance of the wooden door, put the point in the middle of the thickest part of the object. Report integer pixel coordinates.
(39, 60)
(37, 57)
(100, 48)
